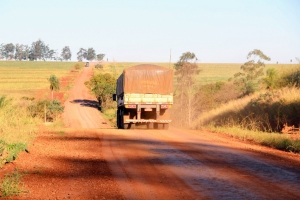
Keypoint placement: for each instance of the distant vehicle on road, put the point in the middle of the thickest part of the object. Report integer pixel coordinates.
(87, 64)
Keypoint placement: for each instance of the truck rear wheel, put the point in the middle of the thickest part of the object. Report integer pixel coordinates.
(166, 126)
(120, 119)
(132, 126)
(150, 125)
(126, 126)
(159, 126)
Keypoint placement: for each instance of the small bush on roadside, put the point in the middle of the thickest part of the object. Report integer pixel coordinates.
(10, 152)
(27, 98)
(78, 66)
(110, 115)
(53, 109)
(99, 66)
(11, 184)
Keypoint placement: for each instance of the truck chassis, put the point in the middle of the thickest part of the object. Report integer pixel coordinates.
(154, 116)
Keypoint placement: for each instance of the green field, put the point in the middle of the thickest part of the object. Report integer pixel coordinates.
(210, 72)
(18, 78)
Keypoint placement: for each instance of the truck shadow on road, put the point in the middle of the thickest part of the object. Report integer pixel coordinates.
(86, 103)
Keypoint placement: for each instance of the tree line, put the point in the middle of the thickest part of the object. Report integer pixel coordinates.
(38, 50)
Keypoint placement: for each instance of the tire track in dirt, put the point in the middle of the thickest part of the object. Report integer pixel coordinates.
(205, 168)
(138, 171)
(244, 173)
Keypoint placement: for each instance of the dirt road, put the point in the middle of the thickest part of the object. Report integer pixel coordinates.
(95, 161)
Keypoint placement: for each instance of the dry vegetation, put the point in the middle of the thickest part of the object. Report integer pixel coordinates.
(22, 88)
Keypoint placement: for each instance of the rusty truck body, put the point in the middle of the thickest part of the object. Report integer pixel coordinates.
(144, 95)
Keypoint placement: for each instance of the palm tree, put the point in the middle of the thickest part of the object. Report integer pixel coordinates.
(54, 84)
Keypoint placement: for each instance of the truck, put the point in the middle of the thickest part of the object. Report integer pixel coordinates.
(144, 95)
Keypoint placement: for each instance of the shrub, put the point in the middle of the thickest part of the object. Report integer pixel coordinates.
(78, 66)
(290, 78)
(53, 109)
(10, 152)
(99, 66)
(102, 86)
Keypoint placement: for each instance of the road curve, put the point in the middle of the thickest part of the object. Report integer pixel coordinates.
(184, 164)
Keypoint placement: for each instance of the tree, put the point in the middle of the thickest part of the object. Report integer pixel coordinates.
(51, 54)
(1, 51)
(38, 51)
(26, 51)
(21, 52)
(82, 54)
(186, 57)
(186, 69)
(91, 54)
(102, 86)
(100, 57)
(54, 84)
(8, 51)
(252, 70)
(66, 53)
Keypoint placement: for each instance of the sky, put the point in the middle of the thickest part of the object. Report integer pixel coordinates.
(217, 31)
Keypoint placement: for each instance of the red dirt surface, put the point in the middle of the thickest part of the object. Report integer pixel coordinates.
(92, 160)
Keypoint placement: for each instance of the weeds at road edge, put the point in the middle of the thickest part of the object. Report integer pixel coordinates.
(11, 184)
(273, 140)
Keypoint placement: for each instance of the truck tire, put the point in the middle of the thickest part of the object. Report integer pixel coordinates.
(121, 119)
(150, 125)
(132, 126)
(166, 126)
(159, 125)
(118, 118)
(126, 126)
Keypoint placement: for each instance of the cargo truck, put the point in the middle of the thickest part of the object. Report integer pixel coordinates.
(144, 95)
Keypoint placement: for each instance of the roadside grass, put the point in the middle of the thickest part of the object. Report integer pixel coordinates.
(285, 142)
(19, 83)
(11, 184)
(110, 115)
(258, 118)
(17, 130)
(57, 127)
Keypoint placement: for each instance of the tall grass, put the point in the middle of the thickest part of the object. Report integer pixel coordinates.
(258, 118)
(279, 141)
(17, 129)
(265, 110)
